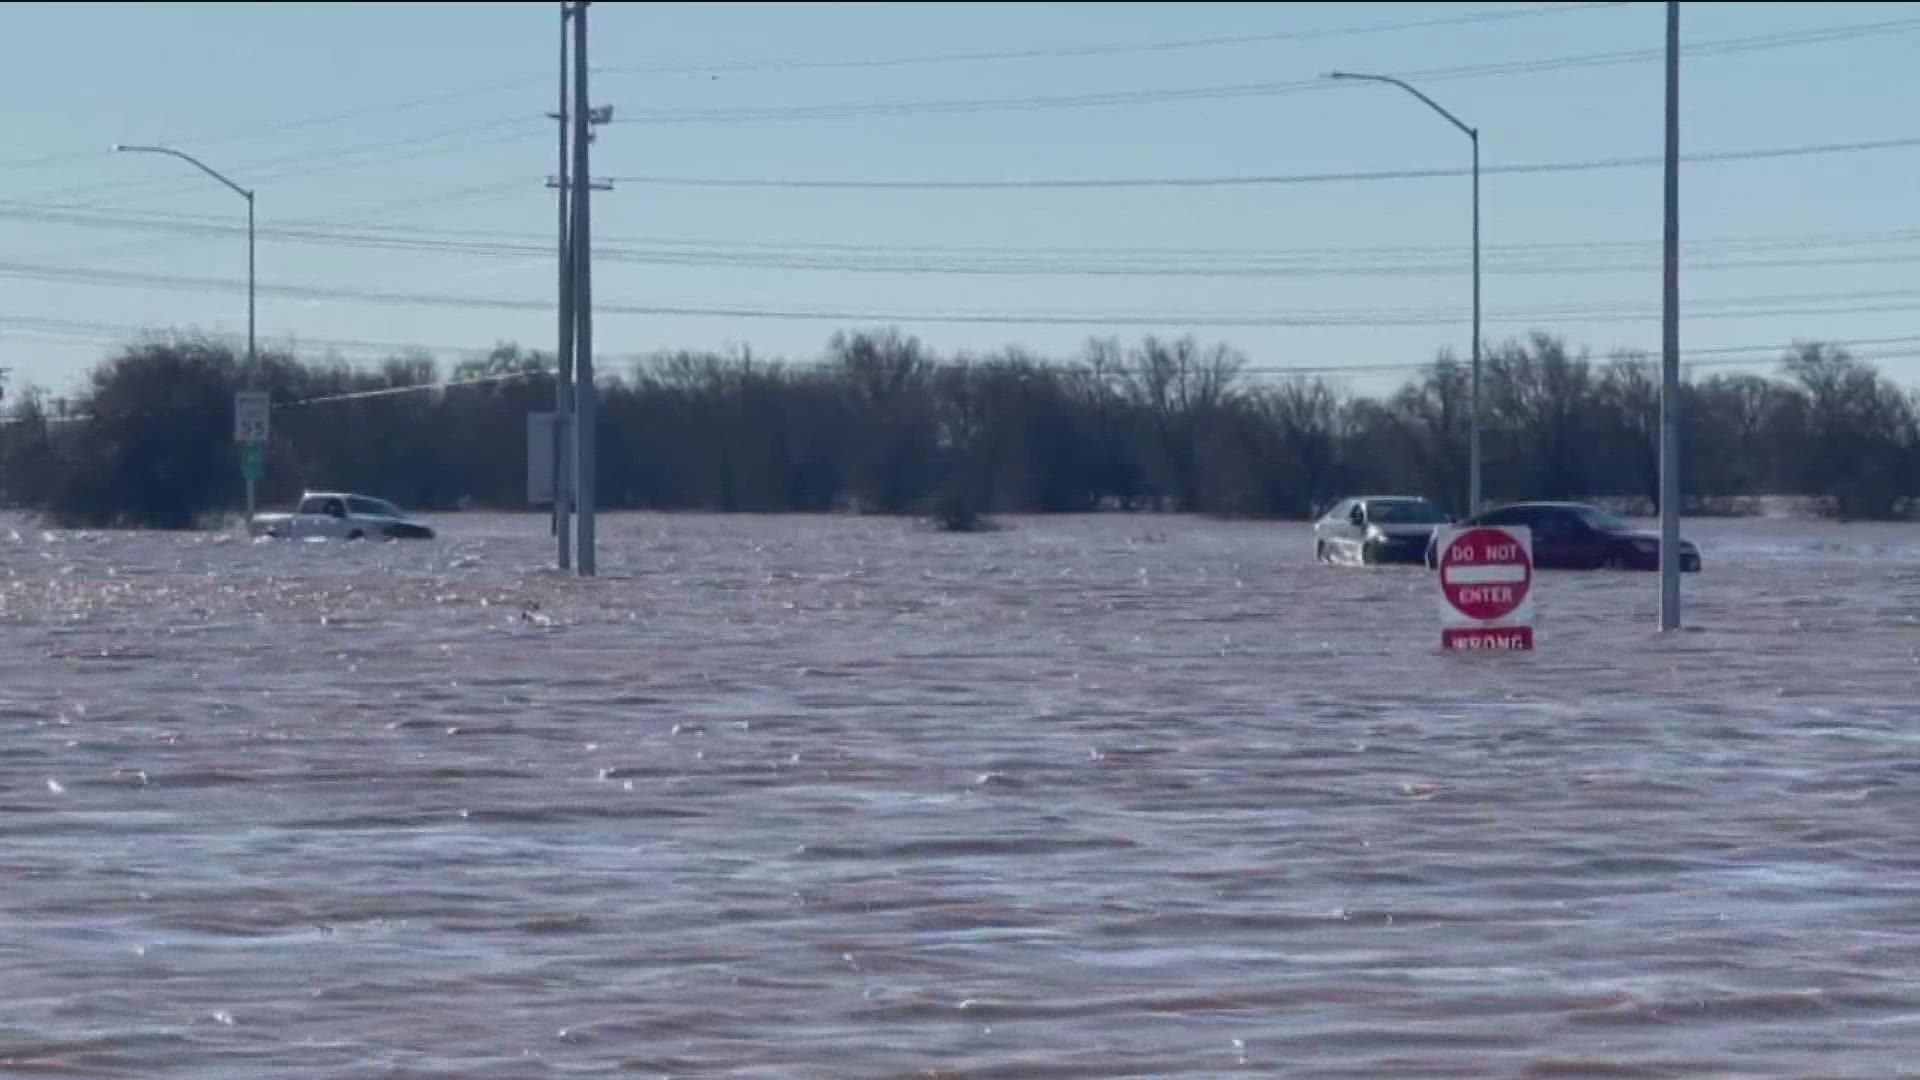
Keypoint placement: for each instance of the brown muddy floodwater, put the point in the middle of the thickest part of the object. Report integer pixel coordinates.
(804, 797)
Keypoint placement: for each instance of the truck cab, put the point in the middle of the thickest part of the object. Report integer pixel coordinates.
(339, 515)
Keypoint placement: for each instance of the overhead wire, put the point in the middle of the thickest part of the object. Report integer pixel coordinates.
(1279, 179)
(307, 162)
(205, 227)
(1717, 360)
(1766, 306)
(1044, 102)
(1282, 265)
(1699, 355)
(132, 217)
(390, 108)
(1072, 51)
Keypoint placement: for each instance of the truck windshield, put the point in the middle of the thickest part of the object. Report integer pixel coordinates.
(374, 508)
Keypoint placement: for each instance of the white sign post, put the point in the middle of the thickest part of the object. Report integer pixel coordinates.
(252, 416)
(1486, 588)
(252, 424)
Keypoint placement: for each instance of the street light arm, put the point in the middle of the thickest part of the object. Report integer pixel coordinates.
(1432, 104)
(189, 159)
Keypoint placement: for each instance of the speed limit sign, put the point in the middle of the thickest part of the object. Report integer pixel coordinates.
(252, 413)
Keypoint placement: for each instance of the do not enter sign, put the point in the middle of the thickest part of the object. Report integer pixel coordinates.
(1486, 573)
(1486, 586)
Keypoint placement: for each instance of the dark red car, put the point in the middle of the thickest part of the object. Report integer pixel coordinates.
(1580, 536)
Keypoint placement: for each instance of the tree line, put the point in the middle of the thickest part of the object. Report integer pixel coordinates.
(882, 424)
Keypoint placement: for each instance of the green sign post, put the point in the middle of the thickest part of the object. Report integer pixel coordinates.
(252, 427)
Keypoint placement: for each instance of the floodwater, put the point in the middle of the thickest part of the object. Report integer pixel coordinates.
(810, 797)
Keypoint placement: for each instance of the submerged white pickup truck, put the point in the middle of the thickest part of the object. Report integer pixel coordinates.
(339, 515)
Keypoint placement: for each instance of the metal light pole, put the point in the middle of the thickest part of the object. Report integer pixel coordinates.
(246, 193)
(563, 382)
(579, 240)
(1473, 435)
(1670, 345)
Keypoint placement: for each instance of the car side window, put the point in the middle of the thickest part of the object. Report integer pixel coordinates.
(312, 506)
(1358, 515)
(1552, 525)
(336, 508)
(1510, 516)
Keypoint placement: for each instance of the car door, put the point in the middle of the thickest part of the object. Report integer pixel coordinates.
(323, 517)
(1331, 529)
(1559, 542)
(337, 524)
(1510, 517)
(306, 518)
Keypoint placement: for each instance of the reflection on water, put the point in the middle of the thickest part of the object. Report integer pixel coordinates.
(825, 797)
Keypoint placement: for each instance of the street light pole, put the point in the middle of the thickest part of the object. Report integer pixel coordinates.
(579, 242)
(246, 193)
(563, 382)
(1670, 399)
(251, 357)
(1472, 133)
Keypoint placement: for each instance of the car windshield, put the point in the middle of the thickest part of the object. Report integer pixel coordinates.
(1404, 512)
(1603, 520)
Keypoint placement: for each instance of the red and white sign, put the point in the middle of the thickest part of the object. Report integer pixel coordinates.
(1486, 588)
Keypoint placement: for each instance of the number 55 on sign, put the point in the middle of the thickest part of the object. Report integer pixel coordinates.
(252, 416)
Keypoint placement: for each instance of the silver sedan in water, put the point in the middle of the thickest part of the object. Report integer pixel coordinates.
(1371, 529)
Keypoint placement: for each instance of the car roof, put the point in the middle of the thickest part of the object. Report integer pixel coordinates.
(341, 495)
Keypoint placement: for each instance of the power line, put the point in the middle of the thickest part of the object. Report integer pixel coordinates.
(1589, 165)
(436, 386)
(441, 386)
(1066, 52)
(381, 110)
(117, 217)
(854, 110)
(1767, 306)
(1716, 362)
(1288, 265)
(379, 152)
(206, 227)
(107, 331)
(1706, 356)
(386, 109)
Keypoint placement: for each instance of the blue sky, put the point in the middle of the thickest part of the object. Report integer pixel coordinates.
(408, 145)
